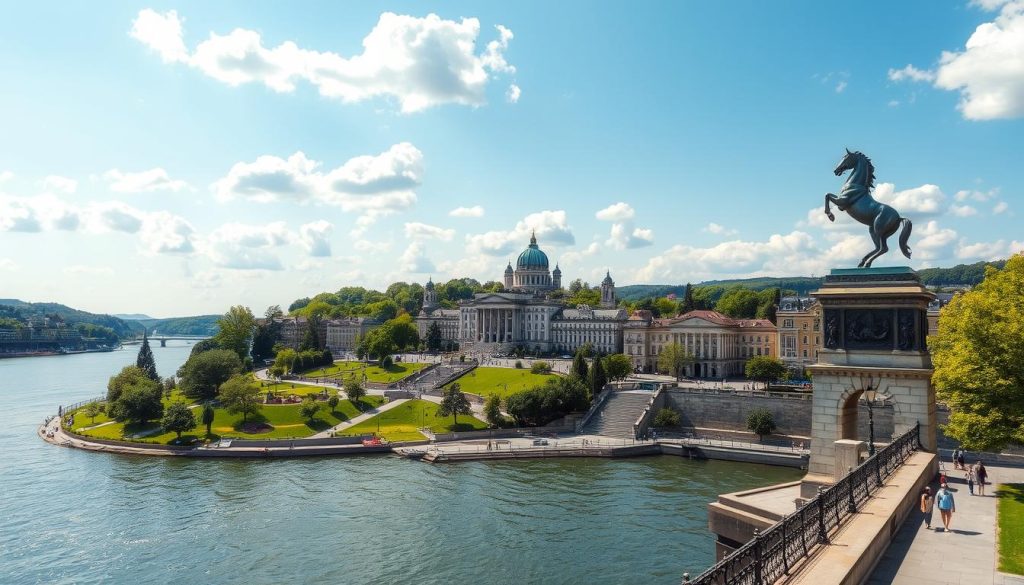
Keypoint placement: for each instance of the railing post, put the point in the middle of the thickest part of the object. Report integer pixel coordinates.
(785, 540)
(822, 533)
(851, 505)
(757, 557)
(803, 528)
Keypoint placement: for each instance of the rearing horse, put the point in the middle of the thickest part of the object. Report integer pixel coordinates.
(856, 200)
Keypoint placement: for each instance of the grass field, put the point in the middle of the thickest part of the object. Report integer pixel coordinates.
(288, 388)
(1011, 528)
(400, 423)
(501, 381)
(284, 418)
(343, 370)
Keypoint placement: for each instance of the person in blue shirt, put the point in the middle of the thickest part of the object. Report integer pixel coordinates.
(947, 506)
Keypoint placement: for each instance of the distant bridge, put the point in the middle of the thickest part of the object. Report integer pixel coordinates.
(163, 339)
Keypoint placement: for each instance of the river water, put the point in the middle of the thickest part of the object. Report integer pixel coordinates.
(68, 516)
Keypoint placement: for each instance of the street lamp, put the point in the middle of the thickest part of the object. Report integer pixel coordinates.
(869, 396)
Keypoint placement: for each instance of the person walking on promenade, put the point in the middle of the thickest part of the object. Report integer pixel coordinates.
(982, 475)
(956, 458)
(960, 458)
(969, 476)
(947, 506)
(927, 506)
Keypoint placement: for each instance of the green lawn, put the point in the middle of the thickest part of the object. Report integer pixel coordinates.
(284, 418)
(1011, 528)
(400, 423)
(501, 381)
(343, 370)
(289, 388)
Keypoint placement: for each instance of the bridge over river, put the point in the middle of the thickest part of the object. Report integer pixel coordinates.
(163, 339)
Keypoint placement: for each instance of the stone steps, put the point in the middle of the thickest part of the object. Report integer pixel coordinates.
(617, 415)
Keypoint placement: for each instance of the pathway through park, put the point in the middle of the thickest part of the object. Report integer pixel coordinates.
(356, 420)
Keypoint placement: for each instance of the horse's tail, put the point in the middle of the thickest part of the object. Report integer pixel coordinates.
(905, 235)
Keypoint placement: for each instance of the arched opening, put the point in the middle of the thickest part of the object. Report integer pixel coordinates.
(696, 371)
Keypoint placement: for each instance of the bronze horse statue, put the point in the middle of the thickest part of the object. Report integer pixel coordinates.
(856, 200)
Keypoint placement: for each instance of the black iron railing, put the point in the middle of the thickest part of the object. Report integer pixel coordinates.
(771, 554)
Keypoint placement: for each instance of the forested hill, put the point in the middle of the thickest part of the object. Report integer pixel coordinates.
(198, 325)
(22, 311)
(968, 274)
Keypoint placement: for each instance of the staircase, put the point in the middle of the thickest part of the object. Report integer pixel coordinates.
(617, 415)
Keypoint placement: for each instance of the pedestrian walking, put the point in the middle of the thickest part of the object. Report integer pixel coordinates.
(969, 476)
(927, 506)
(947, 506)
(981, 474)
(960, 458)
(956, 458)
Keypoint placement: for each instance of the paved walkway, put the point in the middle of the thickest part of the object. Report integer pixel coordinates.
(354, 421)
(965, 556)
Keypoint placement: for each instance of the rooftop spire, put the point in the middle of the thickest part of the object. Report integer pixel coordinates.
(533, 237)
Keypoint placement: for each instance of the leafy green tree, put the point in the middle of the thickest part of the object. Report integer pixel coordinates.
(434, 337)
(978, 354)
(92, 410)
(579, 367)
(128, 376)
(354, 391)
(597, 378)
(266, 335)
(145, 362)
(203, 374)
(618, 366)
(235, 331)
(760, 422)
(208, 415)
(139, 401)
(240, 395)
(333, 401)
(178, 419)
(738, 302)
(765, 368)
(169, 385)
(492, 411)
(286, 358)
(454, 403)
(673, 360)
(542, 404)
(309, 408)
(687, 305)
(540, 367)
(666, 417)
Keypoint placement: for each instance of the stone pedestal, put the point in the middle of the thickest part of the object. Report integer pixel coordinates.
(874, 324)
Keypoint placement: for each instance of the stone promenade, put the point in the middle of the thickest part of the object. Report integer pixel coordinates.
(965, 556)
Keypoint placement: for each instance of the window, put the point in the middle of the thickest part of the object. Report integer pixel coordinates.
(787, 323)
(805, 340)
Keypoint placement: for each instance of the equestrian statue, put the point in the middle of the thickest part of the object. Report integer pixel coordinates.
(856, 200)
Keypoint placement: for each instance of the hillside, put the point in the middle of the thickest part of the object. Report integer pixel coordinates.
(132, 316)
(198, 325)
(20, 310)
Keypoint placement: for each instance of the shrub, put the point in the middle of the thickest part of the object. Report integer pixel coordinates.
(666, 417)
(540, 368)
(543, 404)
(761, 422)
(519, 364)
(387, 362)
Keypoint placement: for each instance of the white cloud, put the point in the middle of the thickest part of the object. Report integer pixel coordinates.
(931, 242)
(247, 247)
(58, 184)
(997, 250)
(89, 270)
(714, 228)
(165, 233)
(368, 246)
(421, 231)
(551, 227)
(924, 200)
(840, 86)
(792, 253)
(513, 94)
(624, 236)
(988, 72)
(17, 215)
(573, 258)
(155, 179)
(8, 265)
(975, 195)
(1000, 208)
(616, 212)
(6, 176)
(114, 216)
(414, 259)
(162, 33)
(316, 237)
(475, 211)
(422, 62)
(911, 73)
(989, 4)
(962, 210)
(372, 186)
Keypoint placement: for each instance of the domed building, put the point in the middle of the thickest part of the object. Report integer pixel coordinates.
(531, 272)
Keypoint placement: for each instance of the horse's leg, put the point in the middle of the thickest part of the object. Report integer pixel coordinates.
(866, 261)
(830, 198)
(885, 225)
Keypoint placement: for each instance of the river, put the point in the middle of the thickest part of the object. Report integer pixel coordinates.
(75, 517)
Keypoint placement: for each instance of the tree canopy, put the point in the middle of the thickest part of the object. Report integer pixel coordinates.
(978, 356)
(145, 362)
(673, 360)
(240, 395)
(203, 374)
(132, 397)
(454, 403)
(765, 368)
(618, 366)
(178, 419)
(236, 329)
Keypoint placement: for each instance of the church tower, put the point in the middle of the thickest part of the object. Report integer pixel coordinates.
(509, 273)
(556, 277)
(429, 296)
(607, 292)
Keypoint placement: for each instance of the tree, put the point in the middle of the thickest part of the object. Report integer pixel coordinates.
(235, 330)
(673, 360)
(138, 402)
(760, 422)
(169, 385)
(454, 403)
(145, 362)
(542, 404)
(579, 367)
(203, 374)
(765, 368)
(178, 419)
(128, 376)
(266, 335)
(354, 391)
(309, 408)
(598, 378)
(618, 366)
(208, 415)
(492, 411)
(434, 337)
(92, 410)
(285, 358)
(666, 417)
(977, 355)
(738, 302)
(240, 395)
(687, 304)
(540, 367)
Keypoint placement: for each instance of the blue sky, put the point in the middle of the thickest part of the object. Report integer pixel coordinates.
(178, 158)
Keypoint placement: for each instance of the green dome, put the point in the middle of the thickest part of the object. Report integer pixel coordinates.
(532, 258)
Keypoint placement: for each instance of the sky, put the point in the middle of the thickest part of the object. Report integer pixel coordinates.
(177, 158)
